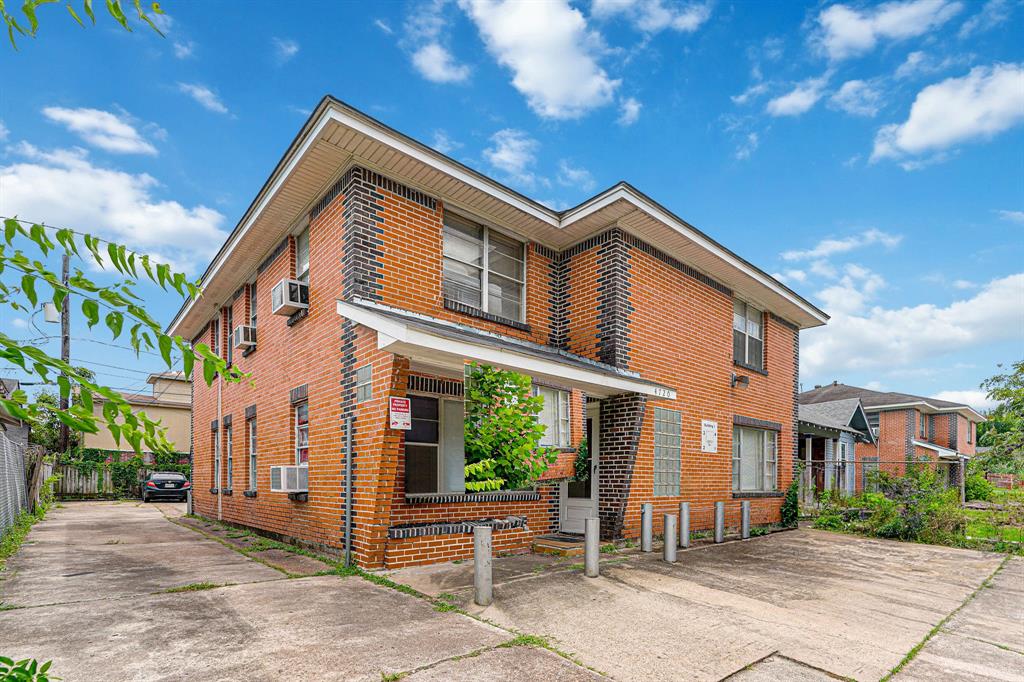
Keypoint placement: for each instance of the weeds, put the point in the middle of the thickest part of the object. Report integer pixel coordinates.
(195, 587)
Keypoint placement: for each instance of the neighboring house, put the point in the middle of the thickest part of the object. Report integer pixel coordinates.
(829, 434)
(389, 267)
(907, 429)
(170, 402)
(16, 430)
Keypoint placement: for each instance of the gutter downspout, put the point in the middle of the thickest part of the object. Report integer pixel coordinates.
(348, 491)
(220, 426)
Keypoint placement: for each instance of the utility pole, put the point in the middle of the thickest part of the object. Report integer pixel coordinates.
(65, 348)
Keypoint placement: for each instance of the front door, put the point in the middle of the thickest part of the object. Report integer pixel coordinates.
(579, 498)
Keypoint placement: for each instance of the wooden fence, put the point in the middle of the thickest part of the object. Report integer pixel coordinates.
(75, 484)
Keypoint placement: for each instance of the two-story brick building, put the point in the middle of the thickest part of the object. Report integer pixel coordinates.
(676, 357)
(905, 429)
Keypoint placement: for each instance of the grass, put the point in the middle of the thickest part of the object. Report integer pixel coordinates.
(195, 587)
(15, 535)
(912, 654)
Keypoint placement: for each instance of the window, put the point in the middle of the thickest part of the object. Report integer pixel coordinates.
(216, 334)
(668, 443)
(302, 433)
(231, 466)
(970, 432)
(747, 335)
(302, 256)
(924, 424)
(252, 305)
(252, 454)
(364, 383)
(435, 446)
(554, 416)
(216, 458)
(231, 346)
(483, 268)
(753, 460)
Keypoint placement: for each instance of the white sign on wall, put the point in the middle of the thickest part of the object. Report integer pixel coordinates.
(401, 414)
(708, 436)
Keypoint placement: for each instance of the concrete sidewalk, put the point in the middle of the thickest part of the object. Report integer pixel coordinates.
(88, 590)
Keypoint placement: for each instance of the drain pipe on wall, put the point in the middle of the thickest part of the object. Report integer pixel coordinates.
(348, 491)
(218, 447)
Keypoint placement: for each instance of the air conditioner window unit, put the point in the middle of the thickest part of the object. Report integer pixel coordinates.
(289, 296)
(289, 479)
(244, 336)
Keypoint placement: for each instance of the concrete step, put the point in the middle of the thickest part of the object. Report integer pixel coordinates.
(559, 544)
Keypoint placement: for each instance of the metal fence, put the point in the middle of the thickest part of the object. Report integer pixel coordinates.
(13, 483)
(847, 478)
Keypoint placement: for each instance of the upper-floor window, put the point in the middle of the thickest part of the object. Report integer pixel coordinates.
(302, 433)
(302, 256)
(231, 346)
(970, 432)
(216, 334)
(924, 424)
(554, 416)
(483, 268)
(747, 335)
(252, 305)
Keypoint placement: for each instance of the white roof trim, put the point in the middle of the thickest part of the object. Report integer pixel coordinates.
(402, 339)
(943, 452)
(960, 409)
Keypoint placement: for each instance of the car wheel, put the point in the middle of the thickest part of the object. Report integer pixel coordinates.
(144, 498)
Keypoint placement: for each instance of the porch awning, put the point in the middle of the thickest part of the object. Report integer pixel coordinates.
(943, 453)
(447, 345)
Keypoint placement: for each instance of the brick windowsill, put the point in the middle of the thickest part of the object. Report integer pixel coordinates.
(227, 491)
(214, 491)
(249, 493)
(464, 498)
(417, 530)
(740, 496)
(464, 309)
(750, 368)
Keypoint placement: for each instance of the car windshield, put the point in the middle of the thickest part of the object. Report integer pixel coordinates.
(167, 477)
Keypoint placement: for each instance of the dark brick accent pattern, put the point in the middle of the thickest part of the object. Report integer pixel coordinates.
(436, 385)
(250, 412)
(613, 301)
(558, 337)
(362, 260)
(740, 420)
(274, 255)
(458, 528)
(469, 498)
(622, 417)
(227, 420)
(299, 393)
(464, 309)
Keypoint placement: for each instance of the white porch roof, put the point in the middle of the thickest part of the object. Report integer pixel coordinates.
(446, 345)
(944, 453)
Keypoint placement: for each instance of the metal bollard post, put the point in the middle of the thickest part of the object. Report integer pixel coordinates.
(684, 524)
(719, 521)
(483, 587)
(670, 538)
(188, 502)
(745, 519)
(647, 527)
(591, 548)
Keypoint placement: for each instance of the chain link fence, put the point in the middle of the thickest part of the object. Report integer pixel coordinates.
(847, 478)
(13, 483)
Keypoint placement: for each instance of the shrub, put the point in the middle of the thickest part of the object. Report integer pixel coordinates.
(791, 503)
(977, 487)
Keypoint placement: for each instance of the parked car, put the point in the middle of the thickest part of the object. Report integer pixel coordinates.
(163, 485)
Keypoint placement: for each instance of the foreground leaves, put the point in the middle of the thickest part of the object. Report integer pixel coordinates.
(28, 24)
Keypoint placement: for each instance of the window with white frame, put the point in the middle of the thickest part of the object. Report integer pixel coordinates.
(747, 335)
(302, 433)
(216, 458)
(668, 444)
(216, 334)
(554, 415)
(252, 305)
(302, 256)
(924, 425)
(435, 446)
(229, 450)
(252, 454)
(754, 460)
(231, 346)
(483, 268)
(364, 383)
(970, 432)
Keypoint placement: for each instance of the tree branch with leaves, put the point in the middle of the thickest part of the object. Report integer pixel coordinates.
(25, 282)
(28, 25)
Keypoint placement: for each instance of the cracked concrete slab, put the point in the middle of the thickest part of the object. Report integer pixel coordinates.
(501, 665)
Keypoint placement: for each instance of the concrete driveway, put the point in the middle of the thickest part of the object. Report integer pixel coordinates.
(800, 605)
(88, 590)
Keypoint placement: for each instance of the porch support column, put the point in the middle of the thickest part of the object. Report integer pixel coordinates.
(622, 418)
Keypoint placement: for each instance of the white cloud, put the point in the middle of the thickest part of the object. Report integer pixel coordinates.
(629, 111)
(800, 99)
(752, 92)
(748, 146)
(981, 104)
(436, 63)
(4, 132)
(822, 268)
(977, 399)
(64, 187)
(183, 49)
(845, 31)
(790, 276)
(964, 284)
(652, 16)
(1012, 216)
(858, 98)
(384, 26)
(19, 323)
(444, 143)
(572, 176)
(284, 48)
(851, 293)
(101, 129)
(831, 247)
(893, 338)
(992, 14)
(206, 97)
(921, 63)
(550, 51)
(513, 152)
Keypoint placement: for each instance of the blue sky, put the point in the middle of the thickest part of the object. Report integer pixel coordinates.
(871, 155)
